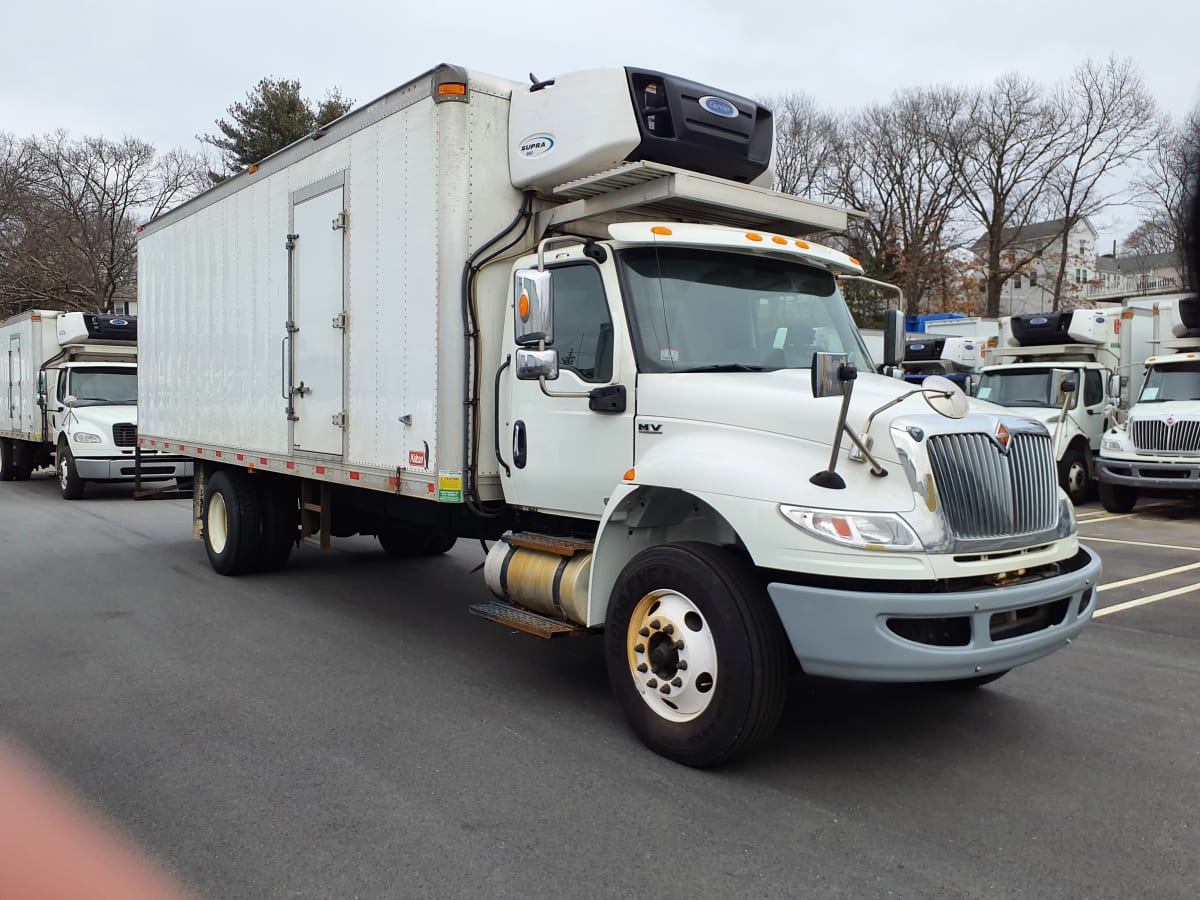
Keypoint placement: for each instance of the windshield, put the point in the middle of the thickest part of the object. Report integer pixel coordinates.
(97, 386)
(711, 311)
(1023, 387)
(1172, 381)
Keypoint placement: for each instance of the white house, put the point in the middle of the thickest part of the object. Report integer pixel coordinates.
(1036, 250)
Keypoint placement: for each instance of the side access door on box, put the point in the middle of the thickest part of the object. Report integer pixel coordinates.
(317, 317)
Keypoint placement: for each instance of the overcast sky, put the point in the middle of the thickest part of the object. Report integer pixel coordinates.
(164, 70)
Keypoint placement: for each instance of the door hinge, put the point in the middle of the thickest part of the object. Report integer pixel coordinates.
(341, 221)
(340, 420)
(339, 321)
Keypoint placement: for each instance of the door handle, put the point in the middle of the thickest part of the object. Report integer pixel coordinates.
(520, 445)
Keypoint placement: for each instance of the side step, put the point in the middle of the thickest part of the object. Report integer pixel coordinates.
(529, 622)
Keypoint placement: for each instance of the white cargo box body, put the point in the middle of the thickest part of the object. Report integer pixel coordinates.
(26, 341)
(386, 208)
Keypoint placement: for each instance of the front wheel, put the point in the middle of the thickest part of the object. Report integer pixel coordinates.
(70, 485)
(696, 656)
(1117, 498)
(1075, 476)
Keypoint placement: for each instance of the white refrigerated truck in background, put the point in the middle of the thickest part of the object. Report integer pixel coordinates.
(1057, 367)
(565, 317)
(1154, 450)
(68, 398)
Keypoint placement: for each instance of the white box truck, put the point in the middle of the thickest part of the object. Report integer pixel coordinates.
(565, 317)
(68, 398)
(1155, 450)
(1057, 367)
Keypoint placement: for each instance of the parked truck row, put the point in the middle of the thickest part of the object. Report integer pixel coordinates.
(571, 318)
(68, 399)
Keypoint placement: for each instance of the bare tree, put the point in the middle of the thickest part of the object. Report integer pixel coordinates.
(805, 146)
(890, 163)
(1166, 184)
(1002, 147)
(1112, 121)
(69, 239)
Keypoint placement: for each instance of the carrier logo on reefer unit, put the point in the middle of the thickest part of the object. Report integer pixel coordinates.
(537, 145)
(719, 106)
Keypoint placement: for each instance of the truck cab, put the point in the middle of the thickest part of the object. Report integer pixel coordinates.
(1155, 450)
(1056, 368)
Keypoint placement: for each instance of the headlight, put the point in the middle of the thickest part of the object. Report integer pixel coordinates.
(870, 531)
(86, 437)
(1114, 442)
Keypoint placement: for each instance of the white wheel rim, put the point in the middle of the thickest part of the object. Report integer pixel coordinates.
(672, 656)
(64, 473)
(1077, 477)
(217, 523)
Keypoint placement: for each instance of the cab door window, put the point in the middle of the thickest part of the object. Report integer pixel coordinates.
(583, 330)
(1093, 387)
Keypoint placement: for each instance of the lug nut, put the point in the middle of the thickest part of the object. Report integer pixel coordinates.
(639, 648)
(645, 632)
(652, 683)
(682, 664)
(677, 681)
(670, 629)
(665, 689)
(678, 645)
(642, 667)
(656, 624)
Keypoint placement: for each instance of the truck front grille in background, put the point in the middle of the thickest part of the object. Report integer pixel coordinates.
(125, 434)
(988, 493)
(1155, 434)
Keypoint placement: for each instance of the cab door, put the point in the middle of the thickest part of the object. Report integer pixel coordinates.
(569, 440)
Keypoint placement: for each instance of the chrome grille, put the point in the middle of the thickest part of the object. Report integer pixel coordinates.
(986, 493)
(1155, 434)
(124, 434)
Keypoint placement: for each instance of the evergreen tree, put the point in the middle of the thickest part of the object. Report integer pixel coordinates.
(273, 115)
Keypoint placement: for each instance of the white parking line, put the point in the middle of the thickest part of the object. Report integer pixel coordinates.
(1130, 604)
(1153, 575)
(1085, 538)
(1101, 515)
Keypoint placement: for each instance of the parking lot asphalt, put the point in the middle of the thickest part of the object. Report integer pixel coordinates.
(345, 729)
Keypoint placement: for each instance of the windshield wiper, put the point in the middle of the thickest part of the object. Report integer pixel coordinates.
(725, 367)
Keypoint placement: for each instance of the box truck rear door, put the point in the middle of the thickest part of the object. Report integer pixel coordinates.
(16, 417)
(318, 303)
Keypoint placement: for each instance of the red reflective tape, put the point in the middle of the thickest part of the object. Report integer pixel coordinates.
(354, 476)
(182, 448)
(218, 453)
(241, 456)
(320, 470)
(392, 482)
(154, 443)
(291, 465)
(200, 451)
(262, 460)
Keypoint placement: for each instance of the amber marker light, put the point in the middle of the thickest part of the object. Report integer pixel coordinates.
(250, 170)
(751, 236)
(856, 262)
(803, 245)
(661, 229)
(629, 475)
(524, 307)
(452, 89)
(779, 240)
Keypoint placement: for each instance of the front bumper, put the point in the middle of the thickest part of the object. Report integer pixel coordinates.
(1150, 476)
(853, 635)
(155, 468)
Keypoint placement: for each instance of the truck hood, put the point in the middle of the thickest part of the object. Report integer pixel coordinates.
(100, 419)
(780, 403)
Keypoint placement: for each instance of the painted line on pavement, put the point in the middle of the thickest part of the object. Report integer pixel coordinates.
(1137, 579)
(1084, 537)
(1130, 604)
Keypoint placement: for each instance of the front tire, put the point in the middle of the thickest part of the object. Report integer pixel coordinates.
(70, 485)
(1075, 476)
(231, 523)
(696, 656)
(1117, 498)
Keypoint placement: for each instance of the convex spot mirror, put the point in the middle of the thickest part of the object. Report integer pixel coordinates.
(830, 374)
(1064, 386)
(945, 397)
(533, 311)
(534, 364)
(1114, 386)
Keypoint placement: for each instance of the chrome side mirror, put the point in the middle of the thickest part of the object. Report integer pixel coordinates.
(533, 311)
(534, 364)
(828, 377)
